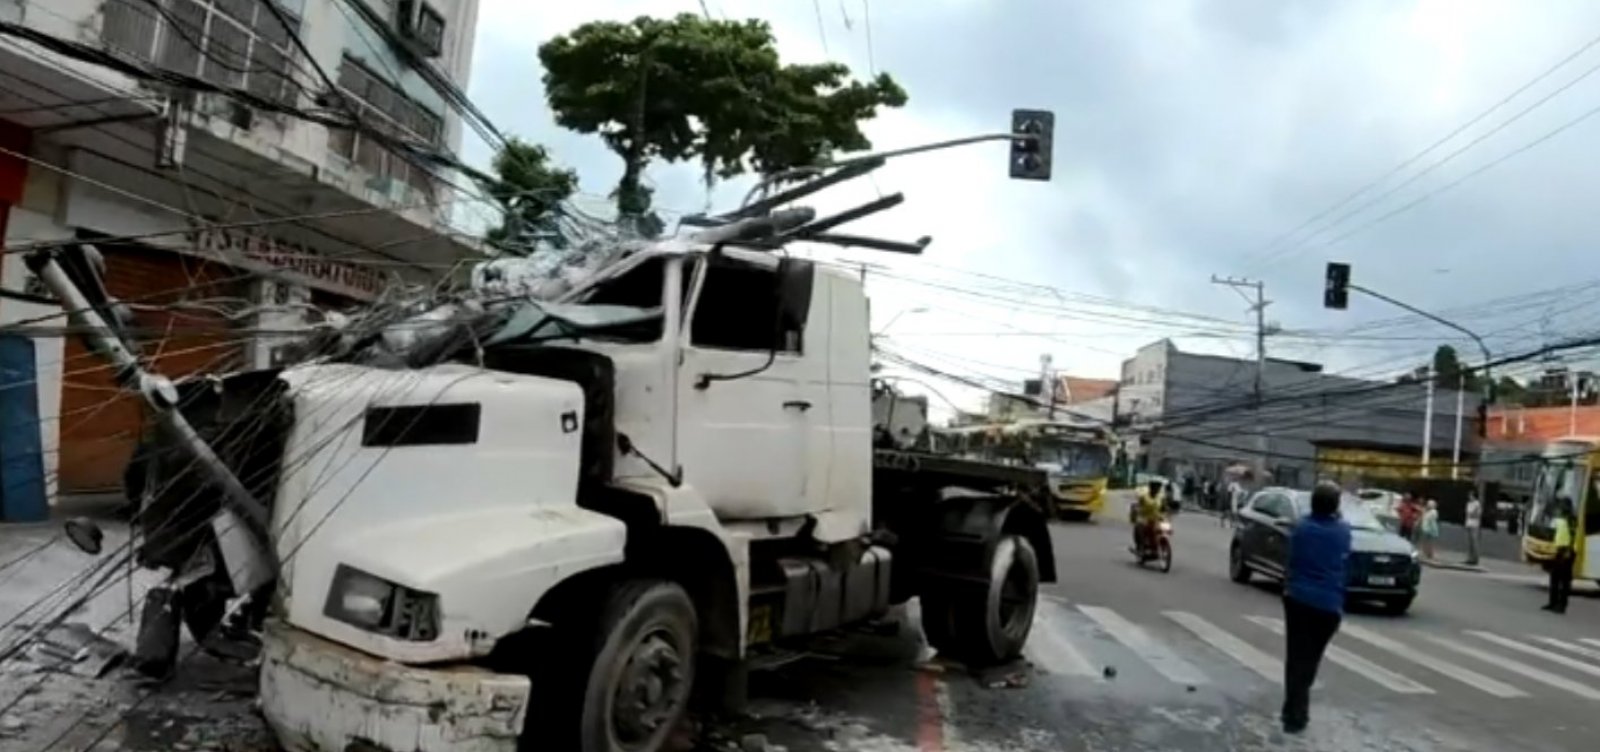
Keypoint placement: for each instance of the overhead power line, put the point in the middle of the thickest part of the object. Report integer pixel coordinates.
(1270, 246)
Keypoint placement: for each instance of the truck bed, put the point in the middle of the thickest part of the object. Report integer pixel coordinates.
(945, 470)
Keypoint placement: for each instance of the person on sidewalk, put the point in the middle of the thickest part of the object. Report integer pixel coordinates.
(1561, 567)
(1428, 529)
(1313, 600)
(1474, 525)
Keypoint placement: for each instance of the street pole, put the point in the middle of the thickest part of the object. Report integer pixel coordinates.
(1427, 427)
(1572, 413)
(1259, 306)
(1047, 383)
(1461, 397)
(1488, 377)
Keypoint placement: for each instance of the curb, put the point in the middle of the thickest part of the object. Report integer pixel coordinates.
(1453, 566)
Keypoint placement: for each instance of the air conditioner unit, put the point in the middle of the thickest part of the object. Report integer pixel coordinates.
(422, 27)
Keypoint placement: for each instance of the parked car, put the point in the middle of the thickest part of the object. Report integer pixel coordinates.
(1383, 566)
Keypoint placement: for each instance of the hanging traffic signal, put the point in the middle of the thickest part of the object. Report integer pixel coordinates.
(1336, 290)
(1030, 155)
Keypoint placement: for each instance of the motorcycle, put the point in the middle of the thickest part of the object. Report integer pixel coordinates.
(1158, 548)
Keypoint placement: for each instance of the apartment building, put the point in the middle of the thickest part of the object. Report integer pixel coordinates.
(224, 219)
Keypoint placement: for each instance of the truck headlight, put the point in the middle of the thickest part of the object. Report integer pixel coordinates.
(377, 605)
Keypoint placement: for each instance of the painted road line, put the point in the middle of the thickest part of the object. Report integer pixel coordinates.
(1048, 646)
(1265, 665)
(1160, 658)
(1592, 654)
(1517, 667)
(1589, 641)
(1460, 673)
(1384, 677)
(1535, 651)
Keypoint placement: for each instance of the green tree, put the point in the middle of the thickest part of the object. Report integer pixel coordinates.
(1447, 371)
(691, 88)
(529, 191)
(1509, 391)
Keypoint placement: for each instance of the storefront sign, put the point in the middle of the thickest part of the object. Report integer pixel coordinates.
(317, 271)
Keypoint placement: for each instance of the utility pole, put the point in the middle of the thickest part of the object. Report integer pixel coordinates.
(1572, 413)
(1427, 424)
(1047, 383)
(1259, 305)
(1455, 456)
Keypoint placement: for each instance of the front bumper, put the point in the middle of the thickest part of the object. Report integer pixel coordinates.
(320, 696)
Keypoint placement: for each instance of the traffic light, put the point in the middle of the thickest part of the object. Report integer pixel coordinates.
(1030, 156)
(1336, 293)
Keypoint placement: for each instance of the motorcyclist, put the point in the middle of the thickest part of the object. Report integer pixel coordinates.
(1148, 512)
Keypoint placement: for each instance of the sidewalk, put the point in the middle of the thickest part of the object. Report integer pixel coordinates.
(49, 699)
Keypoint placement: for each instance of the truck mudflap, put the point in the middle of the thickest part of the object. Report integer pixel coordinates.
(319, 696)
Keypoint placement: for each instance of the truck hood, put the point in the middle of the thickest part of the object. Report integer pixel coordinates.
(435, 479)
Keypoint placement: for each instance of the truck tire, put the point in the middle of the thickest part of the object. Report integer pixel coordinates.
(989, 624)
(634, 677)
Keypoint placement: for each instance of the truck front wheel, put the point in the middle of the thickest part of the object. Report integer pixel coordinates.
(641, 669)
(989, 623)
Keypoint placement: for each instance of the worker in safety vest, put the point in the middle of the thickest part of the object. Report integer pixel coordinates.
(1561, 567)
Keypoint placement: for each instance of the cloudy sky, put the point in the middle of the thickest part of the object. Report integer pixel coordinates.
(1193, 138)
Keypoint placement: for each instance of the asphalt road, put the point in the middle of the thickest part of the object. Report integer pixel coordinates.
(1124, 658)
(1121, 658)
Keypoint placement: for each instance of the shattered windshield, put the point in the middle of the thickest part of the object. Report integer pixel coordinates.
(545, 297)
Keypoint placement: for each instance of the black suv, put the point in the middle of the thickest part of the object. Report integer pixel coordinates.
(1383, 566)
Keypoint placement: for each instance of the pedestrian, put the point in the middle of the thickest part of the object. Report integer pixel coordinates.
(1561, 566)
(1190, 490)
(1235, 500)
(1428, 528)
(1408, 517)
(1474, 525)
(1313, 600)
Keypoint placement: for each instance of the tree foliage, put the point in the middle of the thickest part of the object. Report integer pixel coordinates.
(529, 191)
(689, 88)
(1447, 371)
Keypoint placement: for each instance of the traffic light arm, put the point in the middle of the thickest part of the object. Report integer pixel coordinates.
(1488, 388)
(936, 146)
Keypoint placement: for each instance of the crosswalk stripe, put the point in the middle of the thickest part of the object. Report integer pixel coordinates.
(1268, 667)
(1590, 641)
(1050, 650)
(1461, 674)
(1388, 679)
(1590, 653)
(1160, 658)
(1517, 667)
(1536, 651)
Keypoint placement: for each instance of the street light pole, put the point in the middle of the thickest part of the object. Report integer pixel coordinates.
(1488, 380)
(1427, 426)
(1461, 398)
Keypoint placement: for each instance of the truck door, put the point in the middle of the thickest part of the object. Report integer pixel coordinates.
(752, 390)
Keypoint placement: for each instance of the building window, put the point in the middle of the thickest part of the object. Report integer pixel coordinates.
(238, 44)
(423, 25)
(384, 108)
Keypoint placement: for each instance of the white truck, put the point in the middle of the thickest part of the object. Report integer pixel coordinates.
(555, 525)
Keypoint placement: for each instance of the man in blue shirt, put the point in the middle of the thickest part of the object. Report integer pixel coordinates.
(1313, 599)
